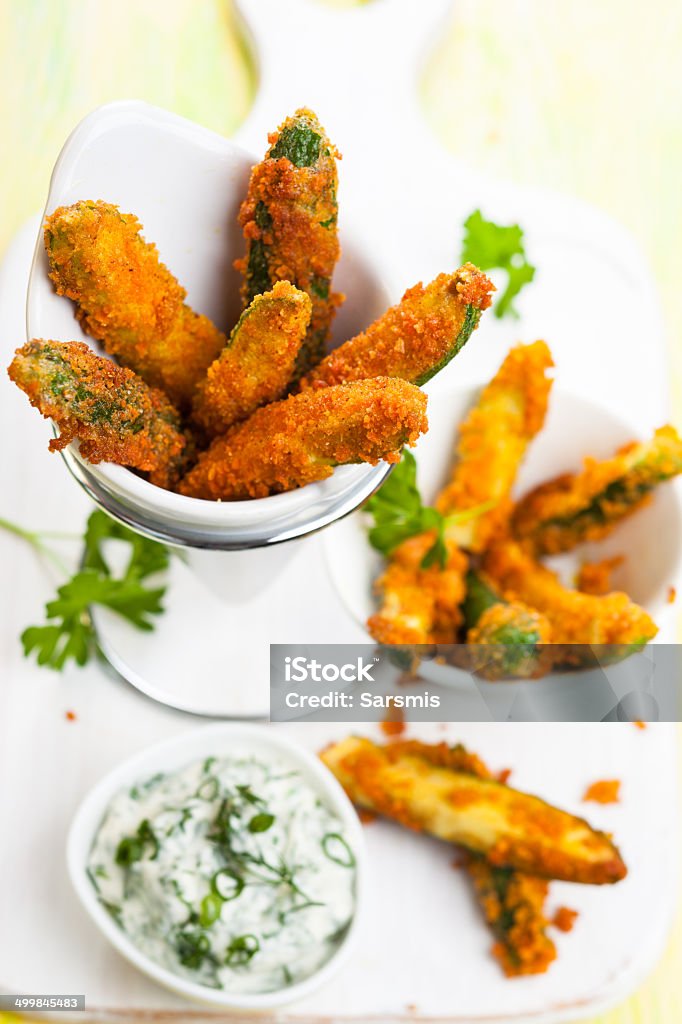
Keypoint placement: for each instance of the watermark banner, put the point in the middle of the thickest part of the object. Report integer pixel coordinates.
(473, 683)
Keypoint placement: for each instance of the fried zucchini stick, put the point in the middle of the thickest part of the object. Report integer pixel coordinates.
(586, 506)
(289, 223)
(513, 904)
(114, 415)
(418, 605)
(256, 365)
(492, 442)
(294, 442)
(127, 299)
(415, 785)
(416, 338)
(506, 639)
(574, 617)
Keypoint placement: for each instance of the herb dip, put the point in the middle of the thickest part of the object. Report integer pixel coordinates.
(230, 872)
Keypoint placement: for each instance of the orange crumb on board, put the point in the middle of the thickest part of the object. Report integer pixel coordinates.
(564, 919)
(672, 594)
(595, 577)
(70, 716)
(394, 722)
(639, 725)
(605, 791)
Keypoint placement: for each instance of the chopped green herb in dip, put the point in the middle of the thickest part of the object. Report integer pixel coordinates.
(230, 872)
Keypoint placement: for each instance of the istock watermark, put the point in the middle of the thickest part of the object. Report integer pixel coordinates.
(302, 669)
(461, 682)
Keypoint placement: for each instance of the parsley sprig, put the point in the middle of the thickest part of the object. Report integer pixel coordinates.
(494, 246)
(68, 633)
(399, 513)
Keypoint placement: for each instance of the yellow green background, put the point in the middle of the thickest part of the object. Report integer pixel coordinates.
(579, 95)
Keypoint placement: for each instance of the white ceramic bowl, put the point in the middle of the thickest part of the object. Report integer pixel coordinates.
(216, 740)
(185, 184)
(651, 540)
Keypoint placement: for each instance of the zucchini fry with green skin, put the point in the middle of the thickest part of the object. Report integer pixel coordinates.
(418, 605)
(289, 222)
(113, 414)
(256, 365)
(492, 442)
(504, 639)
(416, 338)
(300, 440)
(127, 299)
(587, 506)
(513, 906)
(512, 902)
(421, 787)
(575, 618)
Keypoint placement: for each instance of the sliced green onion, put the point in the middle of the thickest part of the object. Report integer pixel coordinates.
(209, 788)
(241, 950)
(211, 905)
(261, 822)
(337, 849)
(226, 885)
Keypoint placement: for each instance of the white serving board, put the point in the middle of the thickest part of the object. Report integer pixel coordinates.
(423, 950)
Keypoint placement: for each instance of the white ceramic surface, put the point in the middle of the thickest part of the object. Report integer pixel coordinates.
(216, 741)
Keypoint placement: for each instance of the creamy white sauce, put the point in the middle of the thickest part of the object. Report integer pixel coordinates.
(253, 831)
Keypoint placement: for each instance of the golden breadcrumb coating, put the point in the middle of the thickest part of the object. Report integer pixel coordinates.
(301, 439)
(416, 338)
(127, 299)
(256, 365)
(289, 220)
(492, 442)
(419, 606)
(113, 414)
(575, 618)
(586, 506)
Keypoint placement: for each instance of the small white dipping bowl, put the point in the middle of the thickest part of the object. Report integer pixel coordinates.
(650, 540)
(220, 741)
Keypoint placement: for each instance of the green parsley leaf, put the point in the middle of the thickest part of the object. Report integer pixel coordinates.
(399, 513)
(68, 634)
(494, 246)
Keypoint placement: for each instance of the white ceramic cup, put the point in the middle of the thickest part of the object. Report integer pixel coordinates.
(185, 184)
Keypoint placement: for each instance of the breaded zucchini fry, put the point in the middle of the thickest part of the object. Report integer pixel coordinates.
(301, 439)
(415, 785)
(127, 299)
(587, 506)
(507, 639)
(513, 904)
(419, 606)
(575, 618)
(114, 415)
(492, 442)
(289, 223)
(256, 365)
(416, 338)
